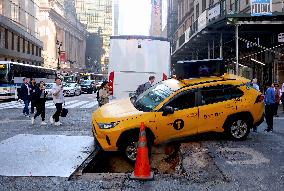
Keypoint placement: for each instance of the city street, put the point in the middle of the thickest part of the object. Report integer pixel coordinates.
(207, 162)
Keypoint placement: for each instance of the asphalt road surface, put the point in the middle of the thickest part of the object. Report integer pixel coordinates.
(207, 162)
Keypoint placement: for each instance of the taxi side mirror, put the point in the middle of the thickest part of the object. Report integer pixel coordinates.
(168, 110)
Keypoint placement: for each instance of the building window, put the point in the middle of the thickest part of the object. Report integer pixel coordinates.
(1, 36)
(203, 5)
(247, 1)
(29, 48)
(15, 12)
(39, 52)
(18, 44)
(13, 42)
(36, 51)
(33, 51)
(6, 38)
(24, 46)
(197, 11)
(211, 2)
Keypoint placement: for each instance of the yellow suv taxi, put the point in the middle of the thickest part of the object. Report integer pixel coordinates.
(174, 109)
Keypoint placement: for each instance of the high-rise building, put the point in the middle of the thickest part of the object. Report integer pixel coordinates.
(19, 37)
(97, 16)
(60, 29)
(115, 16)
(156, 18)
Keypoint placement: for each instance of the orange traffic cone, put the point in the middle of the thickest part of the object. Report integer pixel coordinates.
(142, 168)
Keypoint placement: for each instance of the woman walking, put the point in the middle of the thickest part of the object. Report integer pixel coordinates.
(40, 98)
(103, 94)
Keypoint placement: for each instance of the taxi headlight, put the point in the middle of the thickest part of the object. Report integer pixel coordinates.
(107, 125)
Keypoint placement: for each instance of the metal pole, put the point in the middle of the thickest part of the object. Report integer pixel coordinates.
(237, 50)
(213, 49)
(221, 45)
(208, 50)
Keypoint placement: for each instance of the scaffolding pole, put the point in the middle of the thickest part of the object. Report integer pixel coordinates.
(237, 50)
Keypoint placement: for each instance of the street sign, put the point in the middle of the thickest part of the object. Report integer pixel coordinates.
(261, 7)
(281, 37)
(214, 12)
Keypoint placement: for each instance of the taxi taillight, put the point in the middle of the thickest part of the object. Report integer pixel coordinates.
(260, 98)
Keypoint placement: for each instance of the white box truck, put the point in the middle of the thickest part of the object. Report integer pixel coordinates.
(132, 59)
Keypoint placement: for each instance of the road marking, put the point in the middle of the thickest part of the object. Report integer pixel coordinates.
(90, 105)
(77, 104)
(66, 103)
(254, 159)
(49, 104)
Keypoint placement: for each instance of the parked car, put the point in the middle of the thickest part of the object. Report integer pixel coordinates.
(173, 110)
(71, 89)
(88, 86)
(48, 88)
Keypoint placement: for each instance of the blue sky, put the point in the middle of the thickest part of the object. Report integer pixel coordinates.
(135, 17)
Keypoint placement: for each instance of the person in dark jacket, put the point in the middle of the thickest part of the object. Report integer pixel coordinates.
(33, 86)
(39, 102)
(143, 87)
(269, 107)
(25, 95)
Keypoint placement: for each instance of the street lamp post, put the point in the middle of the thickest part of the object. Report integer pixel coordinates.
(59, 44)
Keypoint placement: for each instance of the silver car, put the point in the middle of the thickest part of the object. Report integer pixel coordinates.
(48, 89)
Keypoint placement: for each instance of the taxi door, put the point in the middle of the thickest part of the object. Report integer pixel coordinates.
(217, 102)
(181, 122)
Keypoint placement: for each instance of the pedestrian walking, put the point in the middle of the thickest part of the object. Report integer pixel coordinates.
(25, 94)
(254, 84)
(58, 100)
(103, 94)
(269, 107)
(143, 87)
(277, 99)
(33, 87)
(39, 102)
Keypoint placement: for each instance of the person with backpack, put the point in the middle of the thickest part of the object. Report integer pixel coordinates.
(39, 102)
(143, 87)
(103, 94)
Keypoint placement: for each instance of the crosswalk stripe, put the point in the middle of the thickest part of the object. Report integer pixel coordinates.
(77, 104)
(50, 105)
(66, 103)
(90, 105)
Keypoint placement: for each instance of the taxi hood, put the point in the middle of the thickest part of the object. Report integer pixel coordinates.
(116, 110)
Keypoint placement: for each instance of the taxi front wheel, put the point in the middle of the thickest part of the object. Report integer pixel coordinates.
(238, 128)
(129, 148)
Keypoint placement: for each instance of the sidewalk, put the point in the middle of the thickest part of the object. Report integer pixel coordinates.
(280, 111)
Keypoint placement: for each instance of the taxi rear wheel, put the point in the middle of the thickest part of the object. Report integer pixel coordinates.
(238, 128)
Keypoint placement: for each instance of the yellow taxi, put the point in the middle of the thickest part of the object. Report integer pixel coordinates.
(174, 109)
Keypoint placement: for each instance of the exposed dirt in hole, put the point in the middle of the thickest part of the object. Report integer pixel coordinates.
(164, 160)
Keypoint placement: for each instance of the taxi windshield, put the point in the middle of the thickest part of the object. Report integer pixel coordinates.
(152, 97)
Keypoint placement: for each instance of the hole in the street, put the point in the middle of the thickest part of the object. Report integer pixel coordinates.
(163, 160)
